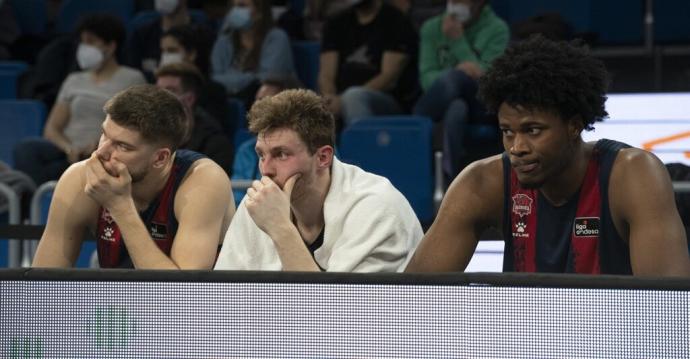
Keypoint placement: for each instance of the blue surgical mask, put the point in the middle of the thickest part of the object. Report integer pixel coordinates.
(239, 18)
(460, 11)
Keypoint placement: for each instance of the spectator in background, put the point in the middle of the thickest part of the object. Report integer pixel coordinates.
(143, 51)
(74, 124)
(248, 48)
(205, 134)
(456, 48)
(309, 24)
(181, 44)
(368, 61)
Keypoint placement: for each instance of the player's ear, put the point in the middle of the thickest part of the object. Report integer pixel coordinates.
(161, 157)
(575, 126)
(324, 155)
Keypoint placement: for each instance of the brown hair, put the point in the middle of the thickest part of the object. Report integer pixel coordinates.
(155, 113)
(302, 111)
(190, 77)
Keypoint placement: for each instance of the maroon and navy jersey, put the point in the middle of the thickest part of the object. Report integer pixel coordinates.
(577, 237)
(159, 218)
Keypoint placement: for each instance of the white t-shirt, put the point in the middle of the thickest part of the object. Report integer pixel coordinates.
(369, 227)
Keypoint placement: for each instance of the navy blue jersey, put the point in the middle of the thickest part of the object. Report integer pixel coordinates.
(159, 218)
(577, 237)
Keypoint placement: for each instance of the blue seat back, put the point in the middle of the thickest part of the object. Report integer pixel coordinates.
(30, 15)
(71, 11)
(306, 55)
(9, 75)
(398, 148)
(19, 119)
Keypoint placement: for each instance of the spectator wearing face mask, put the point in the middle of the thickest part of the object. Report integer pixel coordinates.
(456, 48)
(143, 51)
(249, 48)
(74, 124)
(181, 44)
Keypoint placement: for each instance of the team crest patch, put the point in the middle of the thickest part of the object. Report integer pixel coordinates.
(522, 204)
(586, 227)
(158, 231)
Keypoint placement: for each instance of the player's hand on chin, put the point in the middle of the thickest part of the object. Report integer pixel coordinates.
(107, 182)
(268, 205)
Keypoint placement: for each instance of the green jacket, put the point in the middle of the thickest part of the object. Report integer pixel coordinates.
(482, 42)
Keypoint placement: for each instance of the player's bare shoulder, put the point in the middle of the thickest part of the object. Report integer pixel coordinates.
(204, 169)
(478, 189)
(483, 176)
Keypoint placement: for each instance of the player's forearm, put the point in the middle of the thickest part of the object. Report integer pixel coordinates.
(142, 249)
(292, 251)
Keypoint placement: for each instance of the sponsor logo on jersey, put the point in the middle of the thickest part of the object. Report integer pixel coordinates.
(586, 227)
(158, 231)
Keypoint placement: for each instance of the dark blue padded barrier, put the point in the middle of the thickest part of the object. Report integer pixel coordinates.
(398, 148)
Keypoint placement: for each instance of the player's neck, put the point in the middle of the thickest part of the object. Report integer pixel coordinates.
(146, 190)
(562, 187)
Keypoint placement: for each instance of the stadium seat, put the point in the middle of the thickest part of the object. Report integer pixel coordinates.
(9, 74)
(237, 117)
(30, 15)
(19, 119)
(399, 148)
(71, 11)
(8, 84)
(306, 56)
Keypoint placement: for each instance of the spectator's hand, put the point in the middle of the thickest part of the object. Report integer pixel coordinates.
(108, 183)
(333, 104)
(268, 205)
(452, 27)
(470, 68)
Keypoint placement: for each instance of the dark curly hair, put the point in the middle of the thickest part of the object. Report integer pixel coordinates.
(557, 77)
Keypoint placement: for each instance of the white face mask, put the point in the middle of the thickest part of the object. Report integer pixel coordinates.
(239, 18)
(171, 58)
(166, 7)
(89, 57)
(461, 12)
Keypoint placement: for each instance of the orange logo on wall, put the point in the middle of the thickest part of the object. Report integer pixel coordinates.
(649, 146)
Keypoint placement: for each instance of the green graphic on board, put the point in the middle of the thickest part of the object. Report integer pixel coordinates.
(112, 327)
(26, 348)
